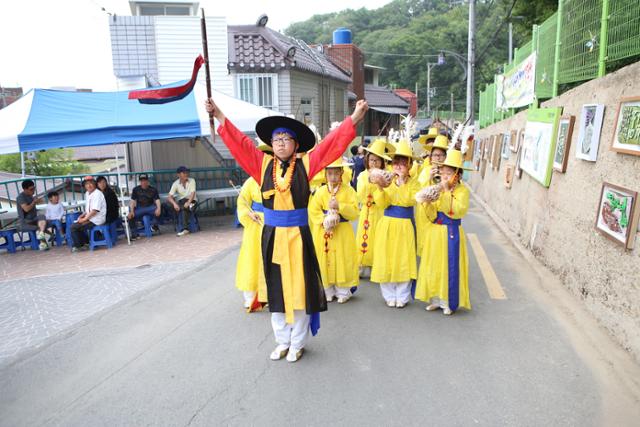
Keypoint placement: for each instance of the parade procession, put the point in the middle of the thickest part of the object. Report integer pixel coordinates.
(299, 249)
(335, 213)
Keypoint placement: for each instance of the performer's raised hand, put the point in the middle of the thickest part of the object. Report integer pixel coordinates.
(361, 109)
(212, 108)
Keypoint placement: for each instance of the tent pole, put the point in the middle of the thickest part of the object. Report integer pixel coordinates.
(124, 217)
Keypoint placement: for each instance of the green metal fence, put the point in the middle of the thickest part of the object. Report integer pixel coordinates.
(70, 186)
(545, 62)
(579, 40)
(623, 36)
(575, 44)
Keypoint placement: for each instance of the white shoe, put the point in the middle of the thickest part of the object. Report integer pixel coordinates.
(342, 300)
(447, 311)
(247, 304)
(182, 233)
(391, 303)
(294, 355)
(279, 352)
(401, 304)
(432, 307)
(329, 298)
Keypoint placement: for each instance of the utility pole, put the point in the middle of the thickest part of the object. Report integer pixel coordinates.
(451, 117)
(510, 42)
(471, 61)
(430, 65)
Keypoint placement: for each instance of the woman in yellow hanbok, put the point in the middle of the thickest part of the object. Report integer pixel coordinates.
(330, 210)
(249, 270)
(394, 255)
(370, 213)
(426, 178)
(443, 280)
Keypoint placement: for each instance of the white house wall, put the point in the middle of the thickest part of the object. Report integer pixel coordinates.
(178, 43)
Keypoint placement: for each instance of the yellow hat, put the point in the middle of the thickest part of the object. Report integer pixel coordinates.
(454, 159)
(380, 147)
(264, 147)
(403, 149)
(339, 163)
(441, 142)
(432, 134)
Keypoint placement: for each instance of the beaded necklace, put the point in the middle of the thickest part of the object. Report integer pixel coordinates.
(329, 234)
(288, 177)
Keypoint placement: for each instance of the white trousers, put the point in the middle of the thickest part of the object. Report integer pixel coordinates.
(248, 297)
(365, 272)
(294, 336)
(336, 291)
(396, 291)
(442, 303)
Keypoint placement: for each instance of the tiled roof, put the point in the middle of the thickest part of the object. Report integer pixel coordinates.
(380, 96)
(261, 49)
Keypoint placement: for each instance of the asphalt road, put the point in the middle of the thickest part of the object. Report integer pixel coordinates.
(187, 354)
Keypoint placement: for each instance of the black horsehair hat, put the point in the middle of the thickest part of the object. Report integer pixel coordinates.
(300, 132)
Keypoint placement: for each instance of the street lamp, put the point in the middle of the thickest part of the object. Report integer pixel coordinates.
(430, 65)
(511, 19)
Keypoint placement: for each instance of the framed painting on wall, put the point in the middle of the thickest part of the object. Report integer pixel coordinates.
(508, 175)
(518, 169)
(626, 138)
(539, 143)
(506, 145)
(497, 153)
(563, 143)
(513, 146)
(589, 133)
(617, 216)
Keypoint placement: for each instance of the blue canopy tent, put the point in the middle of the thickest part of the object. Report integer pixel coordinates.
(43, 119)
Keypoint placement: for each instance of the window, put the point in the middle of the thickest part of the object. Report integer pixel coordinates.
(259, 89)
(159, 10)
(306, 108)
(339, 99)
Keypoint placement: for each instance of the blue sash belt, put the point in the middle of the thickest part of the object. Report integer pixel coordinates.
(288, 218)
(341, 218)
(453, 240)
(404, 212)
(257, 207)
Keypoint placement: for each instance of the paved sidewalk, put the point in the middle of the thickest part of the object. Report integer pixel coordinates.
(45, 294)
(217, 233)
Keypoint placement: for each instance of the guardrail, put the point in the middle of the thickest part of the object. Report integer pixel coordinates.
(70, 186)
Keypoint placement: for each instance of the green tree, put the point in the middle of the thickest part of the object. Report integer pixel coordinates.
(425, 27)
(57, 161)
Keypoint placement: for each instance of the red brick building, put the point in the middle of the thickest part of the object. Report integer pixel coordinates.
(411, 98)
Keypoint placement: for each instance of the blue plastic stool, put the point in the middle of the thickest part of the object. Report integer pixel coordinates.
(9, 243)
(106, 237)
(71, 217)
(57, 232)
(32, 243)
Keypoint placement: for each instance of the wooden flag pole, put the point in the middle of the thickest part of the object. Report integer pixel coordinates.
(205, 48)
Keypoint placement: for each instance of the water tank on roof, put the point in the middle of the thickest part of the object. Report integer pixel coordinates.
(342, 36)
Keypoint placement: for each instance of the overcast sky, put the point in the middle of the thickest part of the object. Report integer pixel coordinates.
(47, 43)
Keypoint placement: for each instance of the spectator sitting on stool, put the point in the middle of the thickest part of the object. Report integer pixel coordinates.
(28, 218)
(95, 213)
(182, 198)
(111, 198)
(145, 200)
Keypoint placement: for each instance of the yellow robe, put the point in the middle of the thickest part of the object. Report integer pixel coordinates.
(394, 254)
(372, 213)
(337, 254)
(249, 270)
(433, 279)
(424, 179)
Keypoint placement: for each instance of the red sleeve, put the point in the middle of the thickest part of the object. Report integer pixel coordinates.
(243, 149)
(332, 147)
